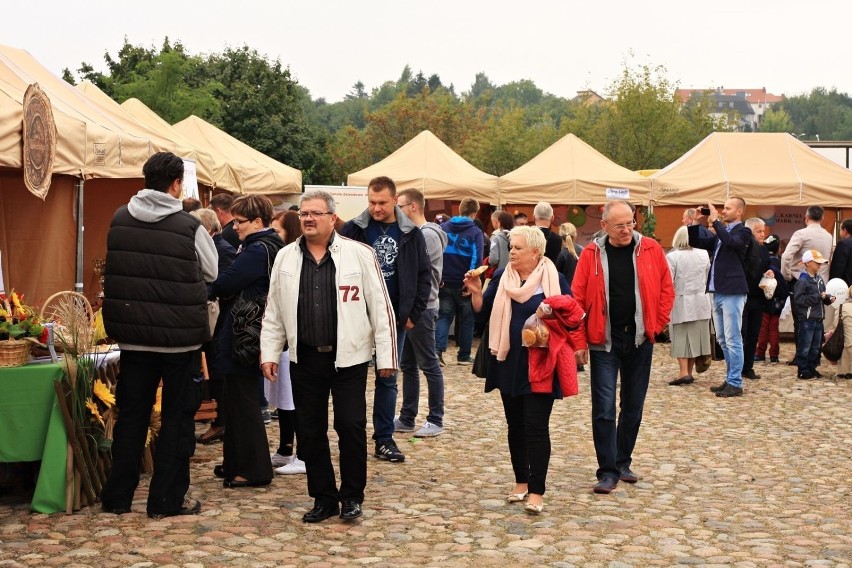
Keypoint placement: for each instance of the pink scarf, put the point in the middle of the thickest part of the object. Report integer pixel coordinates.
(544, 275)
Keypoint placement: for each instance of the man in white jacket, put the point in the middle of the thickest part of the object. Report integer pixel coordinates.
(328, 303)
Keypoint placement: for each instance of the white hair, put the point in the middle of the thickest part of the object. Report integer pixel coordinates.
(543, 211)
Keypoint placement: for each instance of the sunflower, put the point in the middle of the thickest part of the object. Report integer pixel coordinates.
(93, 408)
(102, 392)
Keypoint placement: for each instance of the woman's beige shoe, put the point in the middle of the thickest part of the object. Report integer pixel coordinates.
(517, 497)
(534, 509)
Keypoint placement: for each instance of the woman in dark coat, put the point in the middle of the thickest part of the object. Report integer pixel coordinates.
(246, 461)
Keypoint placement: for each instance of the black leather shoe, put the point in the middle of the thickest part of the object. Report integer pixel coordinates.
(190, 507)
(115, 510)
(238, 483)
(816, 374)
(219, 471)
(806, 376)
(729, 391)
(750, 374)
(685, 380)
(719, 388)
(321, 512)
(628, 476)
(605, 485)
(350, 510)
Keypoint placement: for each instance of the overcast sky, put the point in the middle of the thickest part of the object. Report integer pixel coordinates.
(787, 46)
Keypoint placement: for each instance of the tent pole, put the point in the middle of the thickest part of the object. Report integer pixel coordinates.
(78, 285)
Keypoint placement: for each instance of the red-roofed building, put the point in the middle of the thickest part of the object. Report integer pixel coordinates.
(758, 99)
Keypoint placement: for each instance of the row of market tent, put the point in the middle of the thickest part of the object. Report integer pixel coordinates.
(101, 146)
(767, 168)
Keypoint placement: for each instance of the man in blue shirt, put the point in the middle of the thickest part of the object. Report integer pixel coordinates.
(727, 281)
(401, 253)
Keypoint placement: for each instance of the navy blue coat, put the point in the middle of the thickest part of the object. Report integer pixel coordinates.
(728, 272)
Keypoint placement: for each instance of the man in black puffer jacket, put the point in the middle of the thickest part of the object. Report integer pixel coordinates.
(155, 307)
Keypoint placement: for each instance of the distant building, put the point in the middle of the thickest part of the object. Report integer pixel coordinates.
(742, 108)
(587, 97)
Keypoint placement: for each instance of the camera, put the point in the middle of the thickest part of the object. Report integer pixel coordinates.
(705, 210)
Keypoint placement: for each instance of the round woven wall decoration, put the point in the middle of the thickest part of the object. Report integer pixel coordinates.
(39, 141)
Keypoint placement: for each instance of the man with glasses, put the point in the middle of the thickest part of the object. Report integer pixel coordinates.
(728, 283)
(328, 303)
(624, 285)
(401, 252)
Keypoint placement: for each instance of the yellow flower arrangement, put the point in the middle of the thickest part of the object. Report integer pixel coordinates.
(93, 409)
(103, 392)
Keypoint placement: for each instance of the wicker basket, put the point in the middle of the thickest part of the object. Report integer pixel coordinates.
(14, 353)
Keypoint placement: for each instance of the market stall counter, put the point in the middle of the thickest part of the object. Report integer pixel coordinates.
(32, 429)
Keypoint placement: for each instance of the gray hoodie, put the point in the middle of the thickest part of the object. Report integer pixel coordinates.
(436, 242)
(151, 206)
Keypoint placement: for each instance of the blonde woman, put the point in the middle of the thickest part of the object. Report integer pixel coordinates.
(566, 262)
(513, 296)
(689, 328)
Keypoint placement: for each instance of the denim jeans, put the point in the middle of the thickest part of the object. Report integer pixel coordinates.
(728, 320)
(451, 301)
(614, 442)
(384, 398)
(808, 343)
(419, 352)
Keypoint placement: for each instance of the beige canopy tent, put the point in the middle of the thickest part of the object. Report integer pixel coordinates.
(107, 148)
(41, 241)
(427, 164)
(255, 172)
(165, 138)
(572, 172)
(220, 172)
(762, 168)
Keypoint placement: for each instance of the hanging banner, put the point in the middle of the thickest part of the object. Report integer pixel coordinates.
(190, 180)
(39, 133)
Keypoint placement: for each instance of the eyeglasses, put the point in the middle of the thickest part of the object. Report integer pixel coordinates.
(622, 226)
(238, 222)
(406, 205)
(313, 214)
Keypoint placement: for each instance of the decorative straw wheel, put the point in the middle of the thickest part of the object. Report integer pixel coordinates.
(50, 308)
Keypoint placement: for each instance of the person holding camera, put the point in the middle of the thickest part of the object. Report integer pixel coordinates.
(727, 281)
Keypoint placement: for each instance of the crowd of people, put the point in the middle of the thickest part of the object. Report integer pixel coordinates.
(308, 304)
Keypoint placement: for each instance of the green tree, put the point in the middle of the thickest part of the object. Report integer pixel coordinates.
(261, 104)
(776, 121)
(644, 125)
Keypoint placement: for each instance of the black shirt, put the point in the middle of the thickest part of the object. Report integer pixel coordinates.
(622, 285)
(317, 309)
(553, 244)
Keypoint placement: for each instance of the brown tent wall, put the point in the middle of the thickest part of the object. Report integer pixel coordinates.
(38, 238)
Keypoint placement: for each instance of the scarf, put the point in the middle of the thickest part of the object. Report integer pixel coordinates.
(544, 275)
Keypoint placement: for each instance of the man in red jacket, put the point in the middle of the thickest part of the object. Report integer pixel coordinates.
(623, 284)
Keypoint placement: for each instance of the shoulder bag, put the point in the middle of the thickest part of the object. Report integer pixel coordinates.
(833, 348)
(248, 315)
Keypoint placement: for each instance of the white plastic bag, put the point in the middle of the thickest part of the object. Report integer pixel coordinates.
(787, 310)
(768, 284)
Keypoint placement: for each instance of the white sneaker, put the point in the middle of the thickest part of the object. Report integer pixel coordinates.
(278, 460)
(295, 467)
(429, 430)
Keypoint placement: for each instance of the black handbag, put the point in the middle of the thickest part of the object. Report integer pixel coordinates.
(833, 348)
(483, 354)
(248, 316)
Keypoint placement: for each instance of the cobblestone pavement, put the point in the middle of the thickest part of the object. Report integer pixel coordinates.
(761, 480)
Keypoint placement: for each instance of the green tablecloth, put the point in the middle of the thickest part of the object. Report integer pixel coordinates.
(32, 429)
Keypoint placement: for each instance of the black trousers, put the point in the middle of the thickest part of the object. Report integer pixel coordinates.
(314, 378)
(528, 418)
(245, 447)
(752, 320)
(136, 391)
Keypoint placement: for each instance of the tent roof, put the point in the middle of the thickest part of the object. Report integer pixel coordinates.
(171, 140)
(256, 172)
(762, 168)
(427, 164)
(571, 171)
(100, 144)
(214, 163)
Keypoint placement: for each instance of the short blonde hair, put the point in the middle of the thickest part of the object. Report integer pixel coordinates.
(208, 220)
(681, 238)
(533, 235)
